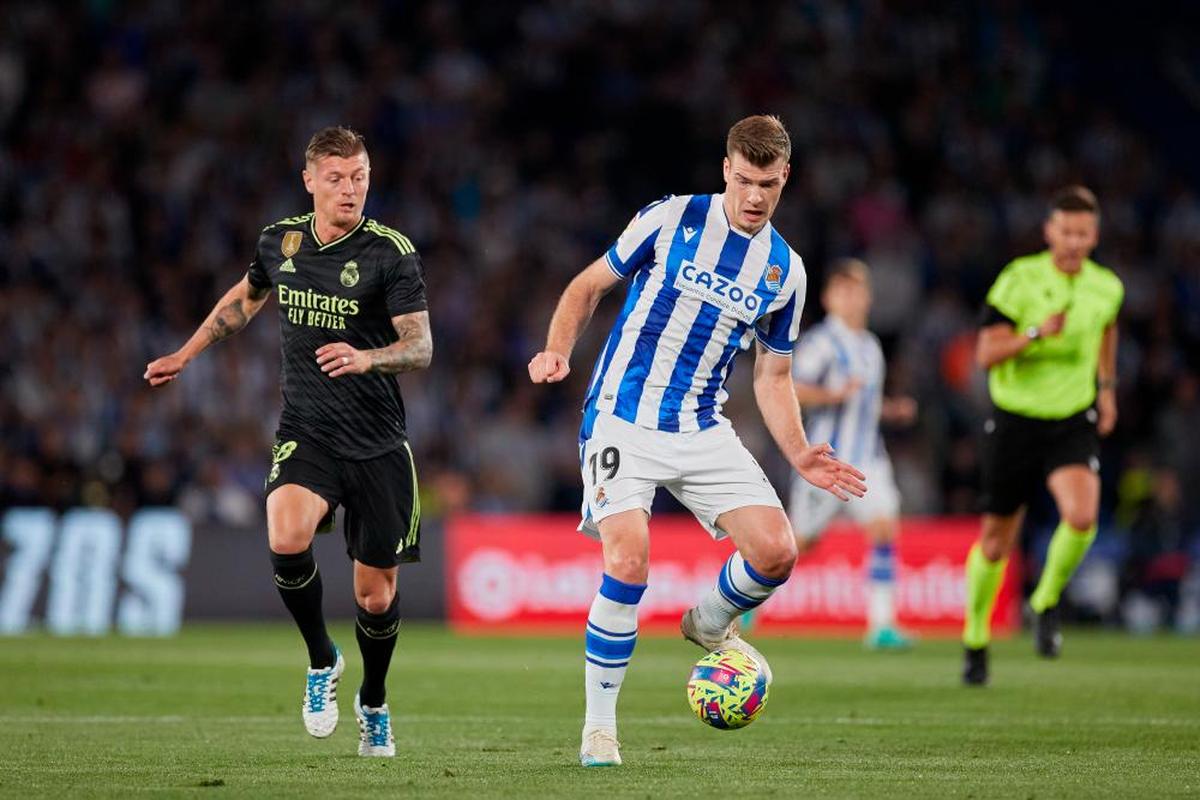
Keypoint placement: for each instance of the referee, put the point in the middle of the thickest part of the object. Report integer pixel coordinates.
(1049, 343)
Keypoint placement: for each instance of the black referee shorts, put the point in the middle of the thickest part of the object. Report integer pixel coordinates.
(382, 524)
(1018, 453)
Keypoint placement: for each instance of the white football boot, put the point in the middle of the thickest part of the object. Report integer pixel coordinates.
(374, 730)
(730, 639)
(600, 748)
(320, 709)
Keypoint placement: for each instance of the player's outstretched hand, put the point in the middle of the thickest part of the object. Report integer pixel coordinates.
(164, 370)
(338, 358)
(548, 367)
(819, 467)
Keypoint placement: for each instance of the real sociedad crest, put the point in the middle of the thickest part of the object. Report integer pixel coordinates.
(774, 278)
(291, 243)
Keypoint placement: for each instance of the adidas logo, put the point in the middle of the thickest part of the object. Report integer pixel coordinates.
(689, 233)
(287, 266)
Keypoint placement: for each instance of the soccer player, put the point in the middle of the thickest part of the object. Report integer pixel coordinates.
(708, 275)
(1049, 343)
(838, 371)
(352, 314)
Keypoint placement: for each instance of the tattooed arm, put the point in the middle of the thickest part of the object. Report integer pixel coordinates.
(413, 350)
(229, 315)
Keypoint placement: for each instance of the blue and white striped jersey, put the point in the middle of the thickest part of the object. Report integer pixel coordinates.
(830, 355)
(699, 292)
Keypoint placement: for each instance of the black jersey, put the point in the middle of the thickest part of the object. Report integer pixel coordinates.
(346, 290)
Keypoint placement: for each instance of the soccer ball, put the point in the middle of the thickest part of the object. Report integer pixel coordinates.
(727, 689)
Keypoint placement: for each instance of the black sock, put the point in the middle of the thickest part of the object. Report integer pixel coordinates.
(299, 585)
(376, 635)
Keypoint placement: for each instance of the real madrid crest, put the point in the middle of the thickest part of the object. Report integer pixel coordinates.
(349, 274)
(291, 243)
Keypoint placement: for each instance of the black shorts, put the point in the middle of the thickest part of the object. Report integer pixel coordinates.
(382, 524)
(1018, 453)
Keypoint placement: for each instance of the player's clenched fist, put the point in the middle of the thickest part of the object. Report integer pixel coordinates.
(548, 367)
(165, 369)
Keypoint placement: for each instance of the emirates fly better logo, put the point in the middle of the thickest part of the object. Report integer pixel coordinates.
(307, 307)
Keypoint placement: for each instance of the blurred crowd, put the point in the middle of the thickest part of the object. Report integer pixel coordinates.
(143, 145)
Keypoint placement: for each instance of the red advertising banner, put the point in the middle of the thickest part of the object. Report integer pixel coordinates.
(537, 572)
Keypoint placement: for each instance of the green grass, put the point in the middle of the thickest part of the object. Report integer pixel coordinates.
(215, 713)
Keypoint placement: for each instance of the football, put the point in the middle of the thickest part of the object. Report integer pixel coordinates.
(727, 689)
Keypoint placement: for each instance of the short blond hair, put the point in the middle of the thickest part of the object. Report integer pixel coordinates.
(334, 141)
(761, 140)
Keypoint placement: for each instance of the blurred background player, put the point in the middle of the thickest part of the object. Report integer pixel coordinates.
(352, 315)
(1049, 343)
(708, 276)
(838, 370)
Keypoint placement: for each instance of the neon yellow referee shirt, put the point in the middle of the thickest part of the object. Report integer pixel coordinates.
(1055, 376)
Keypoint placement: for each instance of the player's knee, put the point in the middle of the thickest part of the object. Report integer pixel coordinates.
(998, 536)
(289, 541)
(376, 600)
(1081, 519)
(882, 531)
(777, 558)
(994, 548)
(628, 567)
(994, 545)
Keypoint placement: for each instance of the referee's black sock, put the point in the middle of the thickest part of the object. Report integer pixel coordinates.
(299, 584)
(376, 635)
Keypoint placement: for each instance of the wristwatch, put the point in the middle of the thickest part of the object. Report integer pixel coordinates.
(1033, 333)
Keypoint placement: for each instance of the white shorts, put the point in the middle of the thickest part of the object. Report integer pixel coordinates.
(811, 509)
(710, 472)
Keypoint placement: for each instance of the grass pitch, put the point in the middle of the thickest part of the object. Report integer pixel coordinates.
(215, 713)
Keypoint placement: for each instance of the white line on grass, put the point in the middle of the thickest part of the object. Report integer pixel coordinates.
(672, 720)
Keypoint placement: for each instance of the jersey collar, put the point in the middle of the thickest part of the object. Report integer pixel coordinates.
(835, 322)
(765, 229)
(312, 227)
(1086, 268)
